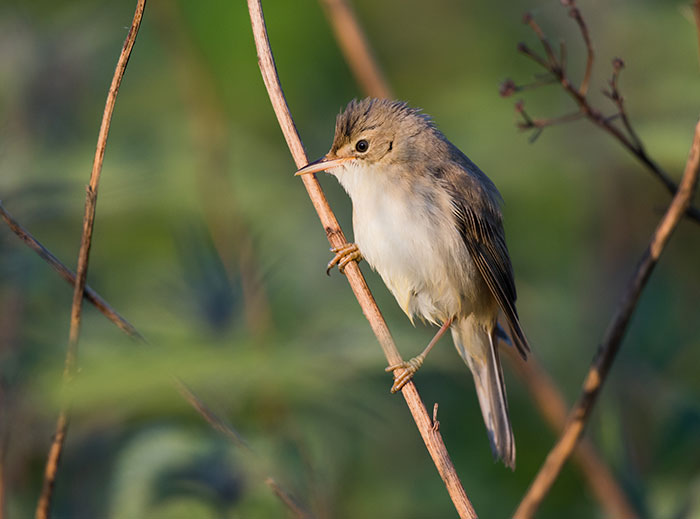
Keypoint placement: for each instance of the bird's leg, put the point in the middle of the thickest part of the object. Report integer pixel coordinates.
(411, 366)
(343, 255)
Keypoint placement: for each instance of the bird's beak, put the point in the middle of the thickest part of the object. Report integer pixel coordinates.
(324, 163)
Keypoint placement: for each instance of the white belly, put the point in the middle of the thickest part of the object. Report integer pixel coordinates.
(417, 251)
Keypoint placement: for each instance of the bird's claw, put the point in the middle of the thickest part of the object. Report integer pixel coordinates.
(343, 255)
(410, 367)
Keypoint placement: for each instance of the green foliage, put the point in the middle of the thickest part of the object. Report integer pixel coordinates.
(207, 244)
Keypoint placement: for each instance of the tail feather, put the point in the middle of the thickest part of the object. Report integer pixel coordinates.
(478, 348)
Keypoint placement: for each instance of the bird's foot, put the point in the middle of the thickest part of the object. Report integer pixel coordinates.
(343, 255)
(410, 367)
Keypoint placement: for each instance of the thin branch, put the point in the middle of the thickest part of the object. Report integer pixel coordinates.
(605, 355)
(215, 421)
(294, 507)
(432, 439)
(576, 15)
(44, 503)
(616, 97)
(629, 140)
(89, 294)
(355, 48)
(551, 405)
(549, 51)
(226, 429)
(530, 123)
(524, 49)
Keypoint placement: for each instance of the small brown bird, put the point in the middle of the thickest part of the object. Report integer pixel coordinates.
(428, 220)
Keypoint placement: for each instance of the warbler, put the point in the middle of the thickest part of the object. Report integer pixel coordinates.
(428, 220)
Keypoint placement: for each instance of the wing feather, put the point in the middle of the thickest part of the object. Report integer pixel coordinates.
(478, 218)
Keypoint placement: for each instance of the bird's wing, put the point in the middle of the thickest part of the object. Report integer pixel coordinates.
(478, 218)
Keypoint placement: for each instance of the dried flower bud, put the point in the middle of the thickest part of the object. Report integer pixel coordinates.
(618, 64)
(527, 17)
(507, 88)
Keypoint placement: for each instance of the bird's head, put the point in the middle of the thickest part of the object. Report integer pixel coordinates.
(375, 132)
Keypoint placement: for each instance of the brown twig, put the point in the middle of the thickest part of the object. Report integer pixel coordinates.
(576, 15)
(355, 48)
(616, 97)
(44, 503)
(89, 294)
(294, 507)
(217, 423)
(551, 61)
(552, 407)
(432, 439)
(220, 425)
(555, 68)
(605, 355)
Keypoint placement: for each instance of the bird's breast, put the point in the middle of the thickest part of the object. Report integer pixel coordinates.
(406, 232)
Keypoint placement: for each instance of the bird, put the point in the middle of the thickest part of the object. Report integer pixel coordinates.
(428, 220)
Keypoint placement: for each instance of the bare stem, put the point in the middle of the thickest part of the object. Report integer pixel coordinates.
(214, 420)
(549, 51)
(292, 505)
(89, 294)
(355, 48)
(576, 15)
(605, 355)
(432, 439)
(551, 405)
(44, 504)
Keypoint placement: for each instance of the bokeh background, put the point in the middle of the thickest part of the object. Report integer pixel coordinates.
(206, 242)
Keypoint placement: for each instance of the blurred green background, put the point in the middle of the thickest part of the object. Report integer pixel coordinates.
(206, 242)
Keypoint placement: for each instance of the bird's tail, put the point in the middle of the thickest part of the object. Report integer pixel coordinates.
(478, 348)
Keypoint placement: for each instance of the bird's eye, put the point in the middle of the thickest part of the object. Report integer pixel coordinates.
(362, 145)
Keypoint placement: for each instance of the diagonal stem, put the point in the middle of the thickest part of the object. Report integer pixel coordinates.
(355, 48)
(44, 504)
(432, 438)
(605, 355)
(89, 294)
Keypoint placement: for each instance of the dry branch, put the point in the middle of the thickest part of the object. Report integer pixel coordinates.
(295, 508)
(355, 48)
(552, 407)
(547, 397)
(44, 503)
(89, 294)
(556, 69)
(432, 439)
(605, 355)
